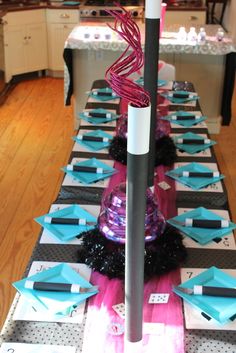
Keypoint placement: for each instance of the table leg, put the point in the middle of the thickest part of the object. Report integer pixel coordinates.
(230, 66)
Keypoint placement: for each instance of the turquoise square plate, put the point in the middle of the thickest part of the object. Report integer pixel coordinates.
(71, 3)
(186, 123)
(193, 182)
(94, 145)
(97, 121)
(201, 235)
(67, 232)
(88, 178)
(58, 303)
(160, 83)
(221, 309)
(191, 149)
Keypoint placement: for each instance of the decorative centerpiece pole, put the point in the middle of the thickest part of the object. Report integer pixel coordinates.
(151, 58)
(137, 163)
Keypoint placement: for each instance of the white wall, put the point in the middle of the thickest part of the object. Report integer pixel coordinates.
(229, 18)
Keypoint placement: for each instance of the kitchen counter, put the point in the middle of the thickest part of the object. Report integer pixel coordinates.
(169, 42)
(193, 62)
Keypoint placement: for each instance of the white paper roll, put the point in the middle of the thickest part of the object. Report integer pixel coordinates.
(75, 288)
(69, 167)
(197, 290)
(153, 9)
(138, 130)
(224, 223)
(29, 284)
(188, 222)
(48, 219)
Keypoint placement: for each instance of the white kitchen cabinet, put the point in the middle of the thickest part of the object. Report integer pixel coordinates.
(25, 42)
(59, 24)
(185, 18)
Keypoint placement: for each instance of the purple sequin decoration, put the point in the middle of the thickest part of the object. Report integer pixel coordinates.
(112, 219)
(162, 128)
(122, 126)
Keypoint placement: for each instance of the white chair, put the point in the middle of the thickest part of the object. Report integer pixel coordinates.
(166, 71)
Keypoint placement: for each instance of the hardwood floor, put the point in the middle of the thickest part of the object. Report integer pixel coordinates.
(35, 142)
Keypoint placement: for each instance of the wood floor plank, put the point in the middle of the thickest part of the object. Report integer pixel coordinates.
(23, 164)
(15, 101)
(43, 151)
(18, 125)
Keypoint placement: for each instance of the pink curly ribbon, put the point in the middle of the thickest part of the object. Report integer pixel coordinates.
(128, 63)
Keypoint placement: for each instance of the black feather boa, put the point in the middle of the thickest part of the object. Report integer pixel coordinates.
(165, 150)
(162, 255)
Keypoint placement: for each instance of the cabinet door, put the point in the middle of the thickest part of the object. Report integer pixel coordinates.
(36, 47)
(15, 55)
(57, 35)
(185, 18)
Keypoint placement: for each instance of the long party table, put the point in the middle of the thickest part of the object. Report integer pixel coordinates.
(178, 328)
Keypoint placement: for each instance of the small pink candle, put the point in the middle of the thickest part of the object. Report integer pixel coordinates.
(162, 20)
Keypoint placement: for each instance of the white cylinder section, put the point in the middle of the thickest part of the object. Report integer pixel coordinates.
(185, 173)
(153, 9)
(216, 174)
(29, 284)
(133, 347)
(197, 290)
(138, 130)
(47, 219)
(224, 223)
(75, 288)
(188, 222)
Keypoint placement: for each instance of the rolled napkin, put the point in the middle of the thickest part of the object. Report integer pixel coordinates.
(188, 174)
(193, 141)
(69, 221)
(97, 115)
(181, 95)
(100, 93)
(59, 287)
(87, 169)
(185, 117)
(206, 223)
(209, 290)
(93, 138)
